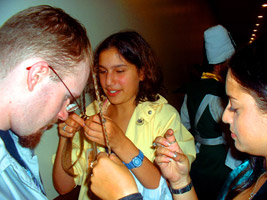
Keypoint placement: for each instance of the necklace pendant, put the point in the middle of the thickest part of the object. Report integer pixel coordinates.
(251, 195)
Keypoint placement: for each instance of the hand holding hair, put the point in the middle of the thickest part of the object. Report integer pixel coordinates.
(68, 128)
(171, 160)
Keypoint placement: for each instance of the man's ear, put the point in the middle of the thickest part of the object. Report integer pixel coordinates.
(36, 73)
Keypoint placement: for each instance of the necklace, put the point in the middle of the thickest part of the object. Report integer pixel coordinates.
(252, 194)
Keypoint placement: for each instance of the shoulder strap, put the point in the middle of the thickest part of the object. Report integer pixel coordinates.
(206, 141)
(204, 103)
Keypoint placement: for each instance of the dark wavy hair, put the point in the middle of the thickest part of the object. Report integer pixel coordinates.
(135, 50)
(249, 68)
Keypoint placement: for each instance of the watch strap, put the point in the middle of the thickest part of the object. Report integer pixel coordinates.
(182, 190)
(135, 196)
(133, 163)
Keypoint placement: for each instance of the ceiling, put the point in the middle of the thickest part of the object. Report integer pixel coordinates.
(240, 17)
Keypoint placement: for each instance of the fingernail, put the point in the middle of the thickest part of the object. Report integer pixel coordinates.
(154, 144)
(175, 155)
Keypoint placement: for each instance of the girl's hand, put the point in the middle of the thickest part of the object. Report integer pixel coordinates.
(68, 128)
(94, 131)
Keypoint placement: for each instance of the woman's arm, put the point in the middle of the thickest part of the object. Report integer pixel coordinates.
(148, 174)
(63, 182)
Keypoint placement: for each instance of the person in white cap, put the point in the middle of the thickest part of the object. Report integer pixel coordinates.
(201, 114)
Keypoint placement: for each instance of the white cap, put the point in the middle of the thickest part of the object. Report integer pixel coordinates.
(218, 44)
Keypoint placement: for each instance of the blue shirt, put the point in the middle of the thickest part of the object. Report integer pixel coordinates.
(15, 181)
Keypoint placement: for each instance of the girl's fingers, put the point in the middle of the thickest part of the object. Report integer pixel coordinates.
(75, 121)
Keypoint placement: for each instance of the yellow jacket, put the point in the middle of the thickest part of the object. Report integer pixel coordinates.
(149, 120)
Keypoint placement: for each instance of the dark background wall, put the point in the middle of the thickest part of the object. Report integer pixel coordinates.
(175, 31)
(174, 28)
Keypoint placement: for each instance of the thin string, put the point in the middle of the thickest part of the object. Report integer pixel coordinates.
(101, 111)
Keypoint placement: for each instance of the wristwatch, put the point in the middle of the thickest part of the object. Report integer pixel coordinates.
(136, 161)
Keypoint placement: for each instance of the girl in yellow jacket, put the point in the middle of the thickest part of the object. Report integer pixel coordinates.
(135, 114)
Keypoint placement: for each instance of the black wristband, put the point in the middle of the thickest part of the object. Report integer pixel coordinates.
(135, 196)
(182, 190)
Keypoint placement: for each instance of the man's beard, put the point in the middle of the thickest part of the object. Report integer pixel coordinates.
(30, 141)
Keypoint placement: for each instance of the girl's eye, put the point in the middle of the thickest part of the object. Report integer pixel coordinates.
(101, 71)
(120, 71)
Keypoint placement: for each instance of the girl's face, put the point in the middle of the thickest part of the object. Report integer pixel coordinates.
(248, 125)
(119, 78)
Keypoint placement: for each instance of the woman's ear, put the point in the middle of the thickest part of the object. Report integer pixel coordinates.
(141, 74)
(36, 73)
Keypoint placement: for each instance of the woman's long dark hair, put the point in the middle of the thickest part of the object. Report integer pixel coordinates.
(249, 68)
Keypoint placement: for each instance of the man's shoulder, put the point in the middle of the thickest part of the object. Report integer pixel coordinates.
(4, 156)
(2, 149)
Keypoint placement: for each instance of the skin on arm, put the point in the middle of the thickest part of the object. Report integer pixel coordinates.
(63, 182)
(174, 165)
(111, 179)
(148, 174)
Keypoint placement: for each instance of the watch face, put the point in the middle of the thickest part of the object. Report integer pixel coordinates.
(137, 162)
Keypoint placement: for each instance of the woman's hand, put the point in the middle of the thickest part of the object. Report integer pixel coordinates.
(111, 179)
(94, 131)
(68, 128)
(171, 160)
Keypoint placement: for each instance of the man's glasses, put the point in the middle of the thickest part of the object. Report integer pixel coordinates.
(72, 106)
